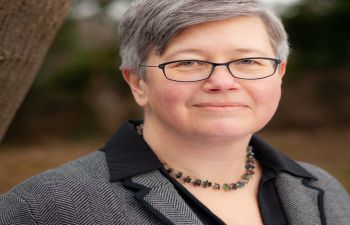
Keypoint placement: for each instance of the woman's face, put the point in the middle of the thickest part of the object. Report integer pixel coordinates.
(221, 107)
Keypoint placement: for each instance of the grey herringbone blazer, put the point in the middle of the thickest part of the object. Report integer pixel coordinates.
(79, 192)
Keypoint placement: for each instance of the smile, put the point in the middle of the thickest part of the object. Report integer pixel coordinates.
(220, 106)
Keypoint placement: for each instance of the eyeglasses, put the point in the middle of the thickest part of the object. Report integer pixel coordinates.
(196, 70)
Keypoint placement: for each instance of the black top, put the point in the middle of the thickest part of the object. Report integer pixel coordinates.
(128, 155)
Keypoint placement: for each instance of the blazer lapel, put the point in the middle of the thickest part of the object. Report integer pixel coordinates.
(302, 202)
(159, 196)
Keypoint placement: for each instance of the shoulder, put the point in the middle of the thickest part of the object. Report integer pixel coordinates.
(324, 178)
(85, 169)
(320, 193)
(73, 189)
(334, 194)
(82, 172)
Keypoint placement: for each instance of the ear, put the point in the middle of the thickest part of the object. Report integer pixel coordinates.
(137, 85)
(282, 68)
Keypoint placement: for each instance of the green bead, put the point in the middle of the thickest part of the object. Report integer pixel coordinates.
(249, 166)
(240, 184)
(226, 187)
(205, 183)
(251, 155)
(247, 176)
(244, 181)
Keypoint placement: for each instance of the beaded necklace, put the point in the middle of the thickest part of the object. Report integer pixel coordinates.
(179, 175)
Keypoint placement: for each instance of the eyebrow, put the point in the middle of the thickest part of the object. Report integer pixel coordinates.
(187, 50)
(202, 51)
(248, 50)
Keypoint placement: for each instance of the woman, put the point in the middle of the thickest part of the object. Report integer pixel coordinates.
(208, 76)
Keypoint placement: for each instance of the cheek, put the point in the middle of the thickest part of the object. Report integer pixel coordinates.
(168, 98)
(267, 96)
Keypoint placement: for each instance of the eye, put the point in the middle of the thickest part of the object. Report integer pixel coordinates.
(186, 63)
(246, 61)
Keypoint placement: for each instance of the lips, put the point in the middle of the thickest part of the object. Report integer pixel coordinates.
(220, 105)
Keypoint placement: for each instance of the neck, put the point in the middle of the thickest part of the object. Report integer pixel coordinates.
(215, 160)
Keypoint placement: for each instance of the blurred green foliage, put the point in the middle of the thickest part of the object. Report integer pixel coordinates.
(81, 65)
(319, 35)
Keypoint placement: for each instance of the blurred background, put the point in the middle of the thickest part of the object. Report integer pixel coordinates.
(79, 97)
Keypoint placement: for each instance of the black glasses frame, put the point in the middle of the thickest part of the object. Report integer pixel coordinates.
(214, 65)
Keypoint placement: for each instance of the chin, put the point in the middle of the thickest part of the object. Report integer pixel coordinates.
(227, 129)
(224, 137)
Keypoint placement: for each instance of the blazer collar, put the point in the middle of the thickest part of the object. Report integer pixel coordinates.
(157, 194)
(302, 201)
(127, 153)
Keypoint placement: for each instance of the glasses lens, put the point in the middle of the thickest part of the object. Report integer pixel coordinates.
(187, 70)
(253, 68)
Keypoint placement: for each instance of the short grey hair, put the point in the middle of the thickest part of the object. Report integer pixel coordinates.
(152, 24)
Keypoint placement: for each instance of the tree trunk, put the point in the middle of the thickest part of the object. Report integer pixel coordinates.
(27, 29)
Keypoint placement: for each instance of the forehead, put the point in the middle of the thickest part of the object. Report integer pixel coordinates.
(242, 34)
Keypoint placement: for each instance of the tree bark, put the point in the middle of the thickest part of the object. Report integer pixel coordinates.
(27, 29)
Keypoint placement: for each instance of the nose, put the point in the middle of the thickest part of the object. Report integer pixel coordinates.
(221, 80)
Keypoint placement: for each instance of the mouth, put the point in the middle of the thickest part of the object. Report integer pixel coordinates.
(220, 105)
